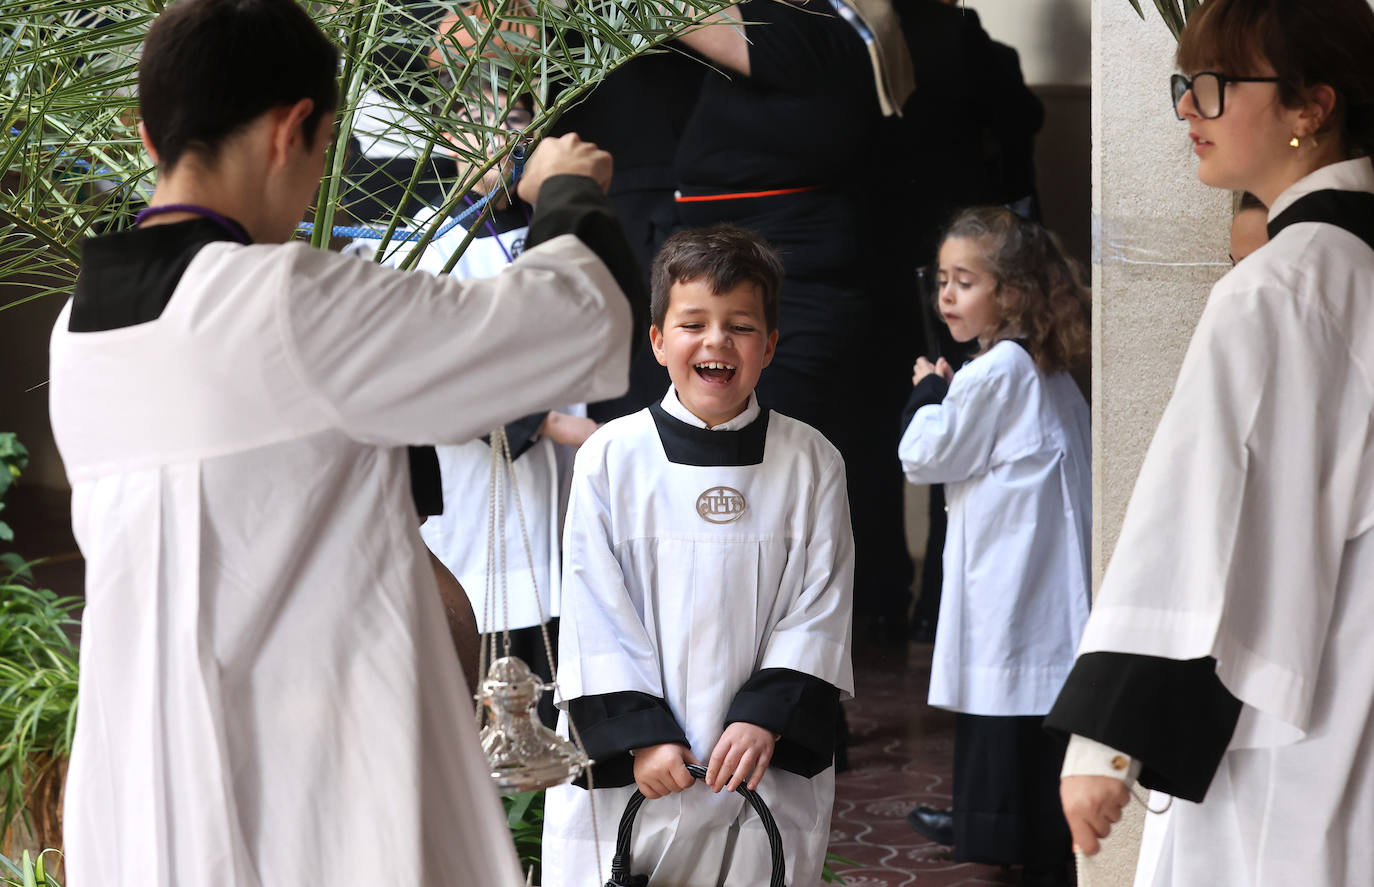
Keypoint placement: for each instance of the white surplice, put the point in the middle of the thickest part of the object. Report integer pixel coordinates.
(1011, 445)
(269, 694)
(526, 592)
(1248, 538)
(659, 600)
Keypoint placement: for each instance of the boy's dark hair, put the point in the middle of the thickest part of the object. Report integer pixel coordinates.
(724, 256)
(1040, 296)
(210, 67)
(1308, 42)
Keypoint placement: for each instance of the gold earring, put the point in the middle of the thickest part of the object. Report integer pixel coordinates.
(1293, 142)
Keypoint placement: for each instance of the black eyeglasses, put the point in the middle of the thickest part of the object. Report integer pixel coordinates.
(1209, 91)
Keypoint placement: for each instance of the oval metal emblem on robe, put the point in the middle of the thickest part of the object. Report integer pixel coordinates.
(721, 505)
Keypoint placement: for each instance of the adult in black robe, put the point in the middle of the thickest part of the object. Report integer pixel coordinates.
(785, 150)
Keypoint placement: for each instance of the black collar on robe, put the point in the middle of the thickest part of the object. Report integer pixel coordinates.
(1350, 210)
(128, 278)
(685, 444)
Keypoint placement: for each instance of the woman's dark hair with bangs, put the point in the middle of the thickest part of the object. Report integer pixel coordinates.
(1307, 42)
(211, 67)
(1040, 293)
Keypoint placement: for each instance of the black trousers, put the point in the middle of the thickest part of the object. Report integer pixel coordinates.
(1006, 792)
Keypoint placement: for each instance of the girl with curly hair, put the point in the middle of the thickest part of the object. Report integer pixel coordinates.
(1008, 436)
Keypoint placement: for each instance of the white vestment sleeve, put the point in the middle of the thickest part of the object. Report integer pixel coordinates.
(410, 358)
(1233, 539)
(603, 644)
(813, 636)
(954, 440)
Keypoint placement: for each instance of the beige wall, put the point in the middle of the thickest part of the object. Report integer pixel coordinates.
(1053, 36)
(1160, 242)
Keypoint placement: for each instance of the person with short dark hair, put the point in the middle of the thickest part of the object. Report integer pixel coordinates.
(268, 690)
(707, 597)
(1227, 660)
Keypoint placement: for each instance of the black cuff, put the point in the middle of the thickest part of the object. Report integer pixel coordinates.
(932, 389)
(521, 433)
(1174, 716)
(611, 724)
(571, 204)
(426, 484)
(802, 708)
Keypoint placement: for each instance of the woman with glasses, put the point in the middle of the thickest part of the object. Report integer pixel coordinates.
(1228, 660)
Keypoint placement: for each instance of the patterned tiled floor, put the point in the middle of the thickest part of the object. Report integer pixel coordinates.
(901, 754)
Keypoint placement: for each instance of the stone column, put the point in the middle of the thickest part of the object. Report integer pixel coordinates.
(1160, 240)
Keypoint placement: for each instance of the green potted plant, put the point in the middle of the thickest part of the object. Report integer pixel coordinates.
(37, 688)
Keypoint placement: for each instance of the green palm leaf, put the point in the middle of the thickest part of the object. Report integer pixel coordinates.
(1174, 12)
(71, 164)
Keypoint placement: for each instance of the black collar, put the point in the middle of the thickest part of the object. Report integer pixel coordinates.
(128, 278)
(1351, 210)
(685, 444)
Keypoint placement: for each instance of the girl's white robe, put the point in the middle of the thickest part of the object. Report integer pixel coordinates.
(661, 601)
(1011, 445)
(269, 694)
(1248, 539)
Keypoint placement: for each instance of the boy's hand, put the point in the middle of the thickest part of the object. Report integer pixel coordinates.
(1091, 805)
(924, 368)
(565, 155)
(743, 752)
(662, 769)
(571, 431)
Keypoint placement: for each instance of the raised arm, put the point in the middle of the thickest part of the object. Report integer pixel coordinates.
(721, 40)
(952, 432)
(397, 357)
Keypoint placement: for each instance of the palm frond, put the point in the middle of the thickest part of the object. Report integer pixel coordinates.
(1174, 13)
(71, 164)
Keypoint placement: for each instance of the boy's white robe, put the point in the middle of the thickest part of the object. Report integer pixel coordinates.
(661, 601)
(1248, 539)
(269, 694)
(1011, 445)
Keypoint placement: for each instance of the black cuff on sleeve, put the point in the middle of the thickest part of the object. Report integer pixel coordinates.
(521, 433)
(426, 484)
(803, 708)
(611, 724)
(931, 389)
(1174, 716)
(571, 204)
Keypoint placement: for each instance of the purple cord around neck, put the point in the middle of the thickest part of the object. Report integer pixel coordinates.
(232, 228)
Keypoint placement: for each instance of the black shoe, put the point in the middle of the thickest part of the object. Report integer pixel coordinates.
(933, 823)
